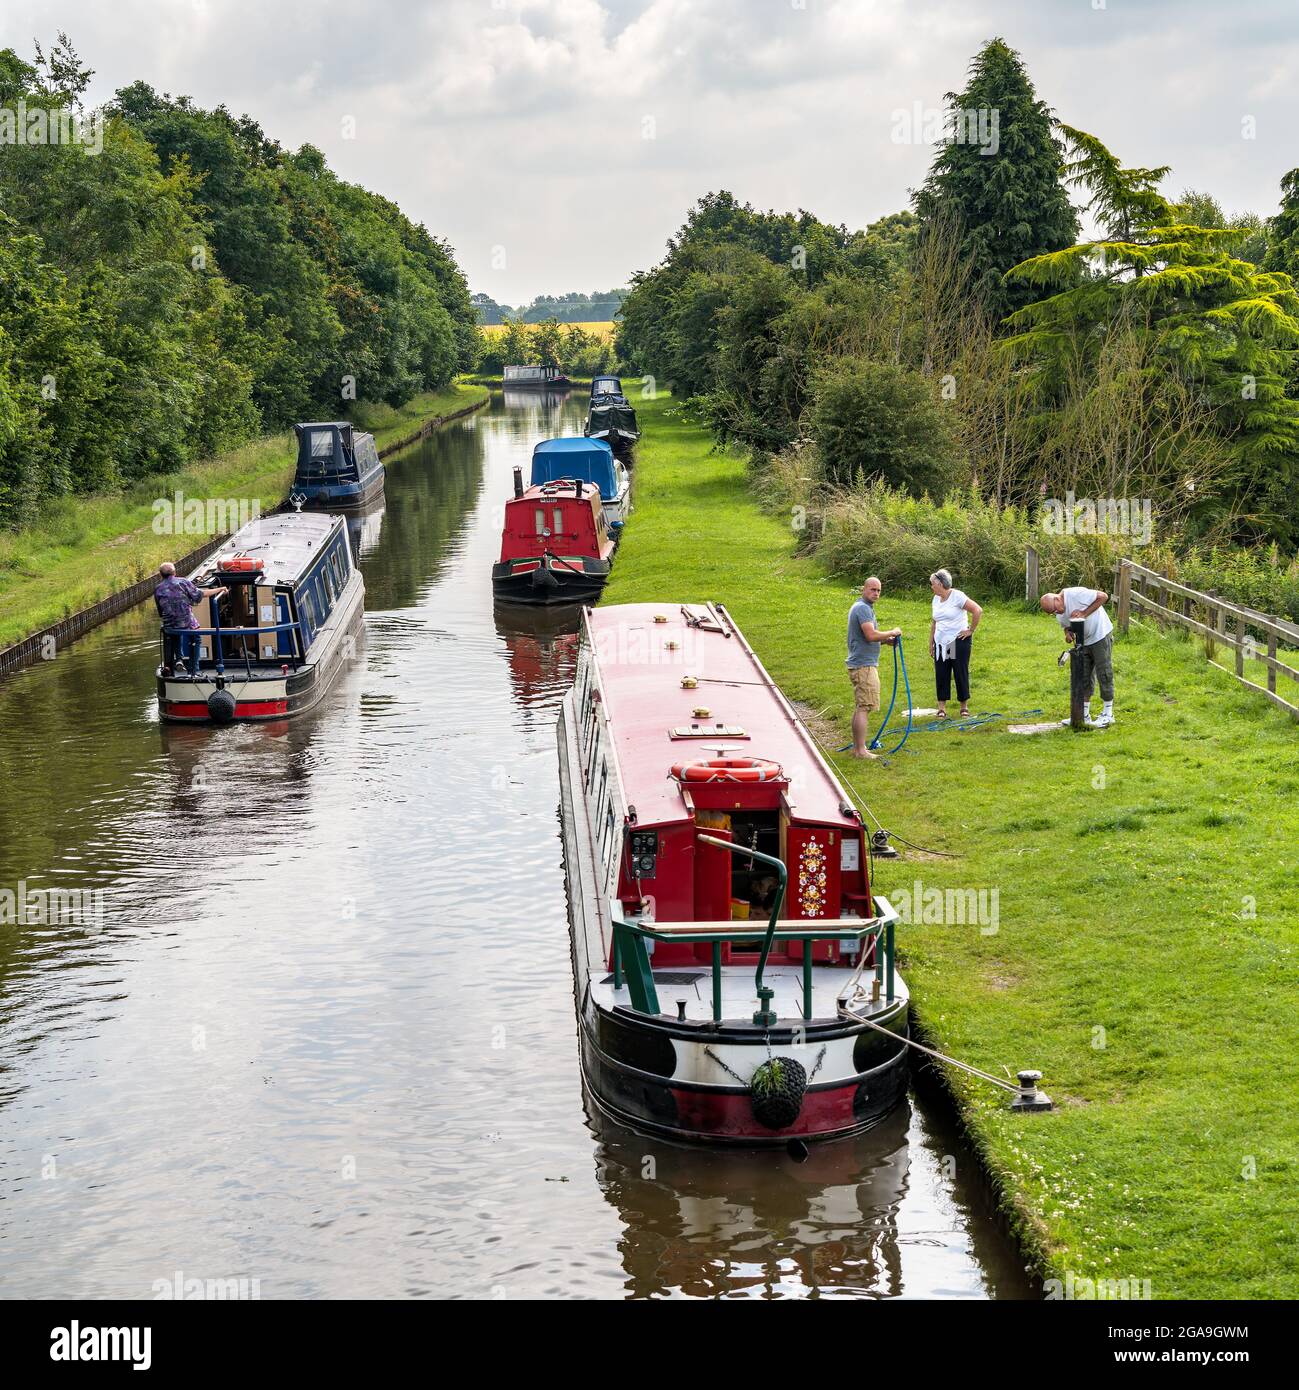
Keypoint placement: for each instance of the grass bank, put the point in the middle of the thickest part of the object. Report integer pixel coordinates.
(83, 549)
(1145, 952)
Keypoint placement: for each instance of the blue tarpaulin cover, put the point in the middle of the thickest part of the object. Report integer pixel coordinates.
(588, 459)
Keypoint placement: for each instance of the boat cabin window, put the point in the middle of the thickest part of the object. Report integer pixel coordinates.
(322, 446)
(559, 521)
(608, 838)
(541, 521)
(367, 455)
(593, 741)
(307, 612)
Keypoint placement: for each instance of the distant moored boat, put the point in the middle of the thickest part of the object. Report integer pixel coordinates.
(533, 378)
(555, 545)
(594, 462)
(338, 466)
(610, 416)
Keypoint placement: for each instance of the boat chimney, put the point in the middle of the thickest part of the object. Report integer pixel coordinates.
(518, 481)
(577, 487)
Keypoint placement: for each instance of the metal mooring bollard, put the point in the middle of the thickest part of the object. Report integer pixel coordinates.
(1029, 1097)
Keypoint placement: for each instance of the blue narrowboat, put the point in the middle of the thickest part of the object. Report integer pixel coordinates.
(283, 600)
(338, 466)
(588, 461)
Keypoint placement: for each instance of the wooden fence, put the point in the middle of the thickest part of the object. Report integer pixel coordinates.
(1247, 634)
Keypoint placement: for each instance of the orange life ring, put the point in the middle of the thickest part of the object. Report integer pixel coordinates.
(238, 564)
(728, 770)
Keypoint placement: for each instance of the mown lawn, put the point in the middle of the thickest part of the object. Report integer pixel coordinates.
(1145, 957)
(83, 549)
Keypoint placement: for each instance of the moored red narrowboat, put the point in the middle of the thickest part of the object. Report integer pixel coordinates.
(735, 973)
(555, 544)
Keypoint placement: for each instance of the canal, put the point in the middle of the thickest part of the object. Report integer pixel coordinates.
(314, 1027)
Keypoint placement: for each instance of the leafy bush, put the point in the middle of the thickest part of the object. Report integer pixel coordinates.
(877, 421)
(880, 530)
(1254, 578)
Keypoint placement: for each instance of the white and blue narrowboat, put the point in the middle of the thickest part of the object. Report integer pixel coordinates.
(577, 459)
(272, 639)
(338, 466)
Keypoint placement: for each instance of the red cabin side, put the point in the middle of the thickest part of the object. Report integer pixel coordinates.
(639, 688)
(555, 518)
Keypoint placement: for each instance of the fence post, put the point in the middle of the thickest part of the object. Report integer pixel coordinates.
(1125, 593)
(1240, 649)
(1271, 670)
(1031, 591)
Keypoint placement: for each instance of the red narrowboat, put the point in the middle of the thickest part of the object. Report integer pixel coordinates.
(555, 545)
(735, 974)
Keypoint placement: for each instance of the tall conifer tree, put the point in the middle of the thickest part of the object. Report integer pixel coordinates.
(997, 179)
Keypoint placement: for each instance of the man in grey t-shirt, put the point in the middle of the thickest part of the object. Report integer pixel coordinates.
(863, 663)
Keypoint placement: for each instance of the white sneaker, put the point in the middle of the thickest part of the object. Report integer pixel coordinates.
(1102, 721)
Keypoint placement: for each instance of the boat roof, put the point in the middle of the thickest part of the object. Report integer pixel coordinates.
(575, 456)
(286, 543)
(640, 681)
(551, 492)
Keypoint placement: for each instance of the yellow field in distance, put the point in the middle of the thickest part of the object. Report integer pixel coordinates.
(603, 331)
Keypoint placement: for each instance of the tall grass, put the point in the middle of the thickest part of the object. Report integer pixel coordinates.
(875, 529)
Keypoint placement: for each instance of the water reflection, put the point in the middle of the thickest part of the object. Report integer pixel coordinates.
(324, 1036)
(542, 644)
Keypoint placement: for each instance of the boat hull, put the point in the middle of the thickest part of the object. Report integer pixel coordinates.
(527, 581)
(723, 1113)
(340, 497)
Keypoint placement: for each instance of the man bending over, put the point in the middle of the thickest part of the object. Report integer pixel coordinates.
(1088, 606)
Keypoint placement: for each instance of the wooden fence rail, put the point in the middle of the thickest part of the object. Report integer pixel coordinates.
(1249, 635)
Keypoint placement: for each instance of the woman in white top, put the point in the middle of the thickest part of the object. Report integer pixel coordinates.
(954, 619)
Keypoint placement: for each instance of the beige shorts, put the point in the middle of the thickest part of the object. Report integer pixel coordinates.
(866, 686)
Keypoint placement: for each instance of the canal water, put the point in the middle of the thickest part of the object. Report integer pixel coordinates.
(312, 1027)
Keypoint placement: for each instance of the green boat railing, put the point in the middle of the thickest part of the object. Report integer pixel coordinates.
(631, 964)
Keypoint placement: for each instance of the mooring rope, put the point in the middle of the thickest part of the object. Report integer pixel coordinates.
(846, 1012)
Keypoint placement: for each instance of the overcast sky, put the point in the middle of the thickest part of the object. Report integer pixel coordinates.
(557, 143)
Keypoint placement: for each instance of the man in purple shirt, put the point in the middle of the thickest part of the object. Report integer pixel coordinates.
(176, 597)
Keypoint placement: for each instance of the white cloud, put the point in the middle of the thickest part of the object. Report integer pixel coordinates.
(520, 124)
